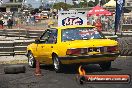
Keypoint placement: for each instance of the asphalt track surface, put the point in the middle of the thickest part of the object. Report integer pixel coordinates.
(67, 79)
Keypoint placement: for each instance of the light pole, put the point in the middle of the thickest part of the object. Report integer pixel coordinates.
(65, 4)
(1, 2)
(42, 5)
(76, 2)
(52, 1)
(42, 2)
(87, 2)
(100, 2)
(82, 1)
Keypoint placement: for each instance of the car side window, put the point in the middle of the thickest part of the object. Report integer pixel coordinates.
(45, 36)
(52, 37)
(49, 37)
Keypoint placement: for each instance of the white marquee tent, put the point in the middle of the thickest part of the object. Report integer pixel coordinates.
(111, 3)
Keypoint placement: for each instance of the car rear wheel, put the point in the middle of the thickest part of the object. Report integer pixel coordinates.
(31, 60)
(105, 66)
(57, 64)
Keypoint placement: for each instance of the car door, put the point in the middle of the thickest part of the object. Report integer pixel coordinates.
(47, 43)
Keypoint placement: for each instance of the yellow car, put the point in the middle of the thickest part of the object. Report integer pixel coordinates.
(72, 45)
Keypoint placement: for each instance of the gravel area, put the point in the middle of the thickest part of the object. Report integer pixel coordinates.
(13, 60)
(66, 79)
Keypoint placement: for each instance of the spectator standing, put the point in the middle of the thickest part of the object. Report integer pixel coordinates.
(5, 22)
(98, 25)
(33, 20)
(48, 14)
(10, 23)
(113, 24)
(54, 14)
(16, 21)
(93, 21)
(28, 20)
(106, 24)
(109, 24)
(1, 23)
(130, 20)
(103, 22)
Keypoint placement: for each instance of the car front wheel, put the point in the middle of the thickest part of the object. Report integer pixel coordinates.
(57, 64)
(31, 60)
(105, 66)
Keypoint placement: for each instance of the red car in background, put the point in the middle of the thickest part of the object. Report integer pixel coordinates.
(40, 16)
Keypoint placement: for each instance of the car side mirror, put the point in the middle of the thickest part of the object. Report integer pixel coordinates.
(37, 41)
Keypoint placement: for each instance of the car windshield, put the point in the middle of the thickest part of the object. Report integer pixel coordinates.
(81, 34)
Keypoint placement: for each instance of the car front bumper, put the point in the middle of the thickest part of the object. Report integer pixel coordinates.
(89, 58)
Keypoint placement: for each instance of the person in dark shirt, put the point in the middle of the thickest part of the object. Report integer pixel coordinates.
(10, 23)
(54, 14)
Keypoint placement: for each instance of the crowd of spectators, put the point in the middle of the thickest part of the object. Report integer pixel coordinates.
(105, 23)
(6, 20)
(127, 20)
(10, 19)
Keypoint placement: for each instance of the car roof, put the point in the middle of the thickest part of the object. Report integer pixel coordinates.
(73, 26)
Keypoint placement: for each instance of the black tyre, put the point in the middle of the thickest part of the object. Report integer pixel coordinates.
(57, 64)
(105, 66)
(14, 69)
(125, 46)
(31, 60)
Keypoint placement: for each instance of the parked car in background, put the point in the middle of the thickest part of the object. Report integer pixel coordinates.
(46, 14)
(41, 16)
(73, 45)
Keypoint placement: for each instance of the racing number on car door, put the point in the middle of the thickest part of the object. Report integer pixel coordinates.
(48, 41)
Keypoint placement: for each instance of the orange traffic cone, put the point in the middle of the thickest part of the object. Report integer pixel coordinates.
(37, 69)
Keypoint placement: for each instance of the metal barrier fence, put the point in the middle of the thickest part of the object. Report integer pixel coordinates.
(21, 33)
(37, 33)
(6, 47)
(16, 47)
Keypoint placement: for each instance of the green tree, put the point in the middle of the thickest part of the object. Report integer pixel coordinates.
(92, 4)
(84, 3)
(75, 3)
(62, 5)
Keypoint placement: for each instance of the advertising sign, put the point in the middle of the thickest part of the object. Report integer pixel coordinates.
(72, 18)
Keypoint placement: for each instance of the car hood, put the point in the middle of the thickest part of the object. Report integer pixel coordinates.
(91, 43)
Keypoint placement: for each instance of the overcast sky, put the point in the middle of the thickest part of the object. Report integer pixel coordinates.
(5, 1)
(36, 3)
